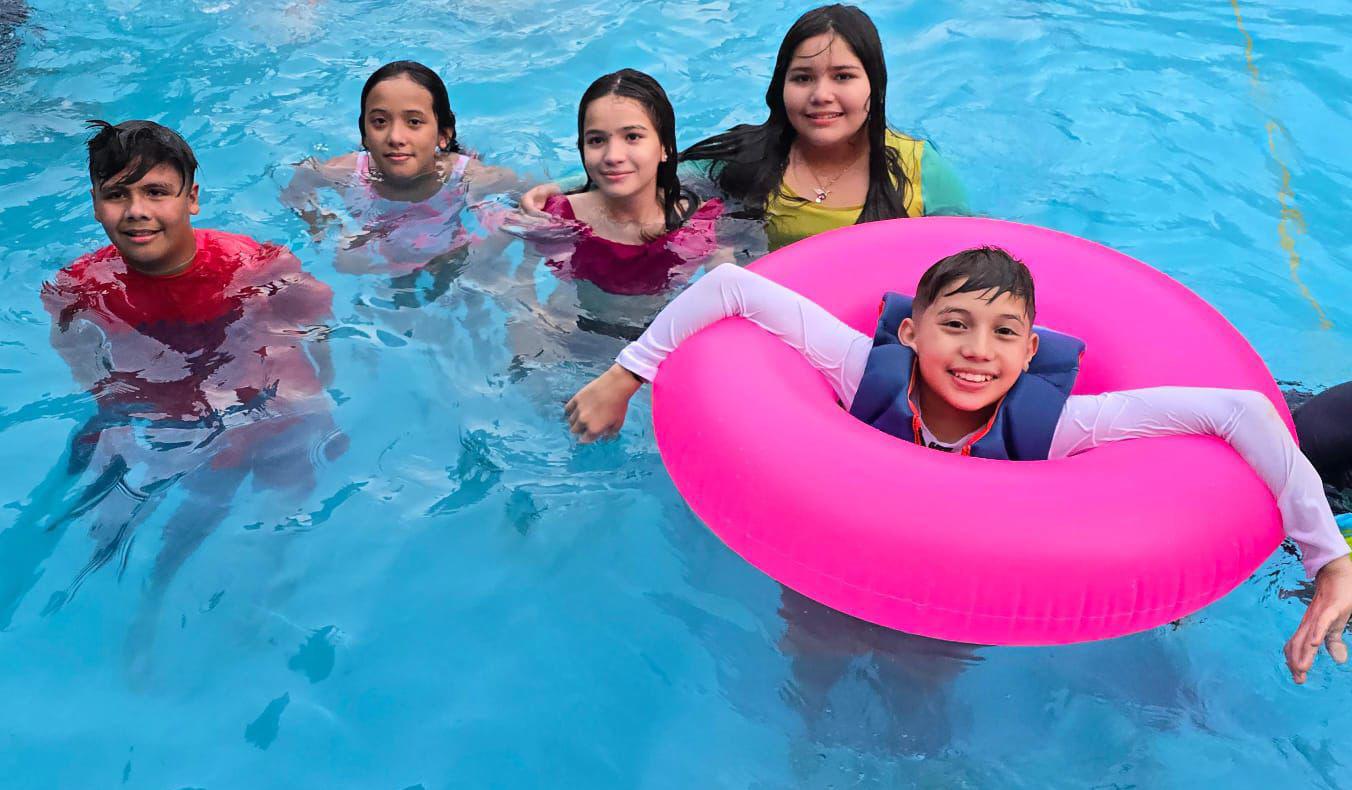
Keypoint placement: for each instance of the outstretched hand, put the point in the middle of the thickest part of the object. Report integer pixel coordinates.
(1324, 620)
(597, 410)
(533, 202)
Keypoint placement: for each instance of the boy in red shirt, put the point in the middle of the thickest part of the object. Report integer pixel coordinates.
(197, 346)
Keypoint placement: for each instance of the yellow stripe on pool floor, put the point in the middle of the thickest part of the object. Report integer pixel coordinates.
(1290, 213)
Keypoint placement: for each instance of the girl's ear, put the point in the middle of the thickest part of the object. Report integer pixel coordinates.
(444, 141)
(906, 333)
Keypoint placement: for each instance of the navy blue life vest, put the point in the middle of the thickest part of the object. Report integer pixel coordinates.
(1023, 426)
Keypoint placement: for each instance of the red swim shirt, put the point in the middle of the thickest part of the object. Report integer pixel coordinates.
(228, 328)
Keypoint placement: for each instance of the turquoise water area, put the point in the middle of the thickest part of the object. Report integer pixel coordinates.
(467, 598)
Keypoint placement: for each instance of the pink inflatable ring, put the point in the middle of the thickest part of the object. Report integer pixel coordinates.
(1116, 540)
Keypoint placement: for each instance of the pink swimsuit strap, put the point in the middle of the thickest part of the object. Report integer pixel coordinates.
(461, 162)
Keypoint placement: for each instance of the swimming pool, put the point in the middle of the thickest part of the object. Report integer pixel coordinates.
(468, 598)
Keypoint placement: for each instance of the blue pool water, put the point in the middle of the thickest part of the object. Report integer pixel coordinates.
(469, 599)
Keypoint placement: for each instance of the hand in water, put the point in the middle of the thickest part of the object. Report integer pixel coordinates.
(598, 409)
(1324, 620)
(533, 202)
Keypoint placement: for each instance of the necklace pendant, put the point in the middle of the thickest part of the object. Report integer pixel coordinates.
(821, 195)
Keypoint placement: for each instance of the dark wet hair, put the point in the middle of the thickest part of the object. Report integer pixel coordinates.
(13, 13)
(1324, 424)
(137, 147)
(441, 101)
(677, 203)
(748, 161)
(982, 269)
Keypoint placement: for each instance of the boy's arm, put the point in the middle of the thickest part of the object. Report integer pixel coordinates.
(836, 350)
(1251, 425)
(1245, 419)
(831, 346)
(78, 340)
(81, 345)
(314, 318)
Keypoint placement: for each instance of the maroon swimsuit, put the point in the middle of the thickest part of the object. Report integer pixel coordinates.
(630, 269)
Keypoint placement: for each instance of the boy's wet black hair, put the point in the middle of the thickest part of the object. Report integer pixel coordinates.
(981, 269)
(137, 146)
(428, 79)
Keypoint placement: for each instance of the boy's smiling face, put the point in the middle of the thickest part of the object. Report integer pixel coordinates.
(149, 220)
(969, 351)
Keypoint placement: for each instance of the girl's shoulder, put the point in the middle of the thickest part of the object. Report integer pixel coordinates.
(707, 210)
(575, 206)
(315, 173)
(943, 188)
(697, 235)
(486, 178)
(340, 166)
(694, 169)
(460, 164)
(910, 148)
(940, 189)
(559, 206)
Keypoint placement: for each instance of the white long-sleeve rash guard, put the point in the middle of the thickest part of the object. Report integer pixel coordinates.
(1243, 418)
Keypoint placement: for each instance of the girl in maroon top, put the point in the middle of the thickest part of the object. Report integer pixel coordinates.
(635, 229)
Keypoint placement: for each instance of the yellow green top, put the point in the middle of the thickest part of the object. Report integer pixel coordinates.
(790, 218)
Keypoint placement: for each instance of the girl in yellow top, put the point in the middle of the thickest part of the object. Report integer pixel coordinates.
(825, 157)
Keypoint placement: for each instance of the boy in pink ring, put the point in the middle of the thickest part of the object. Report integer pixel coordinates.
(945, 376)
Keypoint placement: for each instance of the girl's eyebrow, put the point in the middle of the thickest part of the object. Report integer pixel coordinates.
(631, 127)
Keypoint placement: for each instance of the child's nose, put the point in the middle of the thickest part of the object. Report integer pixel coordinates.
(978, 347)
(138, 206)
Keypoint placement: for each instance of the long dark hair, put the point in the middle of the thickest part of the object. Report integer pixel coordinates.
(441, 101)
(748, 161)
(677, 203)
